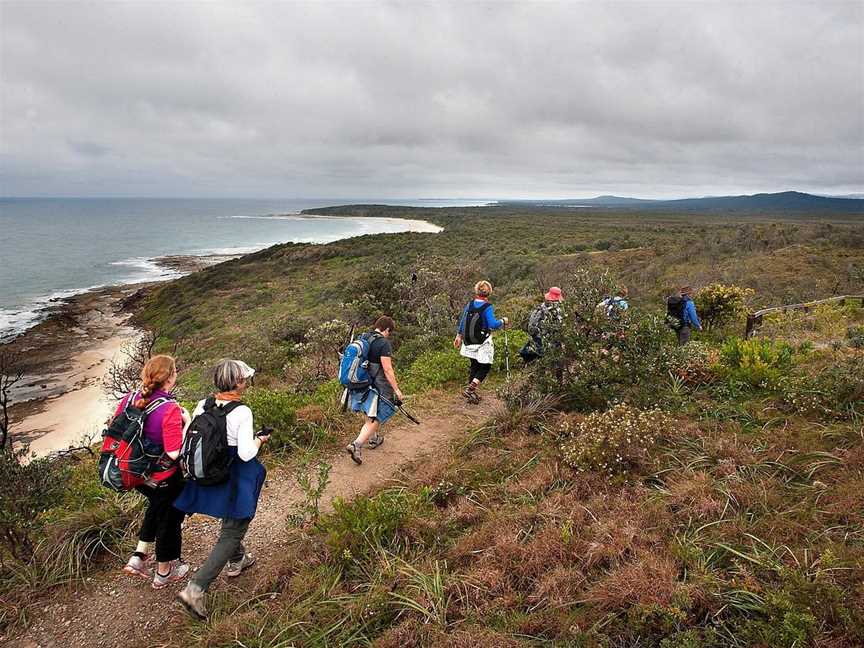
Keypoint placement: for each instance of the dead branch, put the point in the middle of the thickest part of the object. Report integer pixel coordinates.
(10, 374)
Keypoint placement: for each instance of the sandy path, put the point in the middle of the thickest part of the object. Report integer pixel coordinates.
(101, 611)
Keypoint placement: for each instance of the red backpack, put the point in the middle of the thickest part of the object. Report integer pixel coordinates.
(128, 458)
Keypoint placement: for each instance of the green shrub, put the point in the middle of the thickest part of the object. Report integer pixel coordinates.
(29, 489)
(834, 392)
(316, 359)
(433, 369)
(694, 364)
(757, 363)
(779, 622)
(274, 409)
(355, 530)
(605, 360)
(718, 303)
(855, 336)
(613, 442)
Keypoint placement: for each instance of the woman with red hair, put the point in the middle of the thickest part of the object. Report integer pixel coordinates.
(163, 428)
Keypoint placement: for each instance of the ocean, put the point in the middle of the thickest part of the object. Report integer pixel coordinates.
(52, 248)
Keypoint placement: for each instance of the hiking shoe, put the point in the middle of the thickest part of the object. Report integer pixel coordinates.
(192, 598)
(375, 441)
(137, 567)
(235, 568)
(471, 396)
(354, 451)
(177, 572)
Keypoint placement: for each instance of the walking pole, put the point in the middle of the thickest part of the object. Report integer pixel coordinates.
(345, 395)
(398, 406)
(507, 354)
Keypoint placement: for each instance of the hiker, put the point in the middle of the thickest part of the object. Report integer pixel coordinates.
(615, 305)
(234, 500)
(474, 338)
(378, 401)
(681, 314)
(544, 321)
(163, 427)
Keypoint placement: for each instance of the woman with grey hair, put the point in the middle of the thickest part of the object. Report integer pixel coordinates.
(234, 501)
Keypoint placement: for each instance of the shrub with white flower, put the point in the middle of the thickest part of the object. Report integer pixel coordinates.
(719, 303)
(614, 442)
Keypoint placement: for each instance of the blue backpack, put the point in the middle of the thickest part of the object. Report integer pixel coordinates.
(354, 365)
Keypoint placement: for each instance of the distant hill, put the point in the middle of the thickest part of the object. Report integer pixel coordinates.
(763, 202)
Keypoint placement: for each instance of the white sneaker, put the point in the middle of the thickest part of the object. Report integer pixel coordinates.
(192, 598)
(178, 571)
(137, 567)
(235, 568)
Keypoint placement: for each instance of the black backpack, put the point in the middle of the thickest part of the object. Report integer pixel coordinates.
(476, 331)
(535, 319)
(204, 457)
(675, 312)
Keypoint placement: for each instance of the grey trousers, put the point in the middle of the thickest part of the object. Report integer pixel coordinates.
(229, 548)
(683, 335)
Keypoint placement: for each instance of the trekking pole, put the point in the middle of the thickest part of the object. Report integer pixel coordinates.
(398, 406)
(507, 354)
(345, 395)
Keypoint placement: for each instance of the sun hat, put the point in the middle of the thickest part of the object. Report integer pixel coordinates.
(248, 371)
(554, 294)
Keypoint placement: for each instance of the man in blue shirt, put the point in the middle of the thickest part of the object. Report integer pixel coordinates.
(689, 317)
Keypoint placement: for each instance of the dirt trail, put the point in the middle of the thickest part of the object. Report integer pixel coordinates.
(100, 611)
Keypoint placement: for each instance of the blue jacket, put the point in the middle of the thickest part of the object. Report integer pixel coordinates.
(491, 322)
(690, 316)
(236, 499)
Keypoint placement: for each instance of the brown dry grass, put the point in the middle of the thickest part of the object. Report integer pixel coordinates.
(650, 579)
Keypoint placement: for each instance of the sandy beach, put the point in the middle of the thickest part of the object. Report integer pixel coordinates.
(60, 402)
(77, 416)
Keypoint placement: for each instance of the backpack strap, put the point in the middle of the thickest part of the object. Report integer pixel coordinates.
(209, 402)
(372, 336)
(478, 309)
(156, 404)
(230, 407)
(130, 398)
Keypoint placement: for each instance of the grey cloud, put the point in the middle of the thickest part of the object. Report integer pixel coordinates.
(407, 99)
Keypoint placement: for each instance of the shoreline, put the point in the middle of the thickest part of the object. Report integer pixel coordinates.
(60, 400)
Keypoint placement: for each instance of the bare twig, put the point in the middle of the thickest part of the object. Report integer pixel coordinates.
(124, 373)
(10, 374)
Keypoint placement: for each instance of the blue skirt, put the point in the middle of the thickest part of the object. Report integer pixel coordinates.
(236, 499)
(372, 405)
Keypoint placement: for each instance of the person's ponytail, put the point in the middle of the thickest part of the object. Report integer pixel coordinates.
(156, 372)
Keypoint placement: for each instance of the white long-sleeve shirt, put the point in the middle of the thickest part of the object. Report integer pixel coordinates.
(241, 432)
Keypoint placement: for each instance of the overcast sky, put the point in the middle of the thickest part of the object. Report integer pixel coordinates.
(405, 99)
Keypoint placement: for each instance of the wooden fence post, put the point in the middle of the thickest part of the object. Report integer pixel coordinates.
(751, 324)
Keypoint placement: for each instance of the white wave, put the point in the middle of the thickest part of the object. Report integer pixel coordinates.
(15, 321)
(228, 251)
(148, 270)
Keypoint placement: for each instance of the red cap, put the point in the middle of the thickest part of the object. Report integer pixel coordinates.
(554, 294)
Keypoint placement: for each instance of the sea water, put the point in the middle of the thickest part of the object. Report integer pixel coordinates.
(56, 247)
